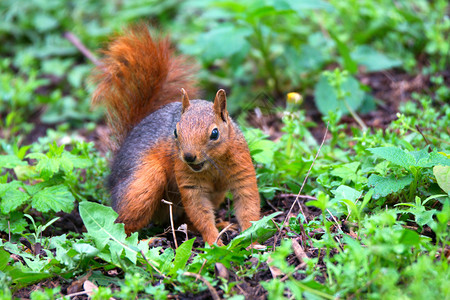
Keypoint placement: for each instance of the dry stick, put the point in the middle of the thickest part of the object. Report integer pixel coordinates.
(339, 226)
(80, 46)
(171, 222)
(223, 231)
(76, 294)
(304, 182)
(212, 290)
(294, 195)
(272, 206)
(423, 135)
(303, 227)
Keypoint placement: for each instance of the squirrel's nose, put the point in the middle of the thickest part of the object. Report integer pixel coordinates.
(189, 157)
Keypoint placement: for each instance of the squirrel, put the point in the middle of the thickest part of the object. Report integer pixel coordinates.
(165, 146)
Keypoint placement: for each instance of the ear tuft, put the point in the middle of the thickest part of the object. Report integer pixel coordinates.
(184, 100)
(220, 105)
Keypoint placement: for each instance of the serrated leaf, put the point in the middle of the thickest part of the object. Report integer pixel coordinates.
(384, 186)
(394, 155)
(56, 198)
(48, 166)
(442, 174)
(182, 255)
(436, 159)
(100, 224)
(259, 232)
(77, 162)
(349, 171)
(420, 157)
(17, 223)
(11, 161)
(12, 199)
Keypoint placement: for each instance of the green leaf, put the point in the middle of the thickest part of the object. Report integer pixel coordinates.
(326, 99)
(436, 158)
(99, 222)
(77, 161)
(85, 249)
(346, 171)
(182, 255)
(4, 259)
(262, 151)
(373, 60)
(384, 186)
(394, 155)
(17, 223)
(23, 278)
(410, 238)
(223, 41)
(301, 5)
(46, 166)
(349, 64)
(11, 161)
(12, 198)
(424, 217)
(56, 198)
(349, 171)
(259, 232)
(442, 174)
(346, 192)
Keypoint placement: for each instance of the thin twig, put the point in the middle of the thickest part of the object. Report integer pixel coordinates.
(212, 290)
(294, 195)
(423, 135)
(304, 181)
(171, 222)
(339, 226)
(297, 267)
(80, 46)
(223, 231)
(77, 294)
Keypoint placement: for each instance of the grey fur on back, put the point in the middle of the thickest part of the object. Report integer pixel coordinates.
(160, 124)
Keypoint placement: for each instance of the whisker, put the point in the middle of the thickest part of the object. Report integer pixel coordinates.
(208, 158)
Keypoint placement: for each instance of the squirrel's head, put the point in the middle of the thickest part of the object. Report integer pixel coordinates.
(203, 131)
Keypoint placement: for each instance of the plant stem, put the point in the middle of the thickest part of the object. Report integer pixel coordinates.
(266, 57)
(413, 186)
(355, 115)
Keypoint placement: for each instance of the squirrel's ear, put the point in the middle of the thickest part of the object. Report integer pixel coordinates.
(184, 100)
(220, 105)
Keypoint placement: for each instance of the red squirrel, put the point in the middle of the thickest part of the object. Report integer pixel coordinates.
(189, 152)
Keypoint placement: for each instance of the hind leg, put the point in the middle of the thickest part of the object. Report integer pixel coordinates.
(142, 200)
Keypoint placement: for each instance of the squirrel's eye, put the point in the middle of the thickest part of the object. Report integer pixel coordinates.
(175, 133)
(214, 134)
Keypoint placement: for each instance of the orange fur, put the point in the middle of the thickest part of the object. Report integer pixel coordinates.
(151, 183)
(138, 75)
(191, 168)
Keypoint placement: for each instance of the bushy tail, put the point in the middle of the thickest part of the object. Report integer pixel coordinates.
(137, 76)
